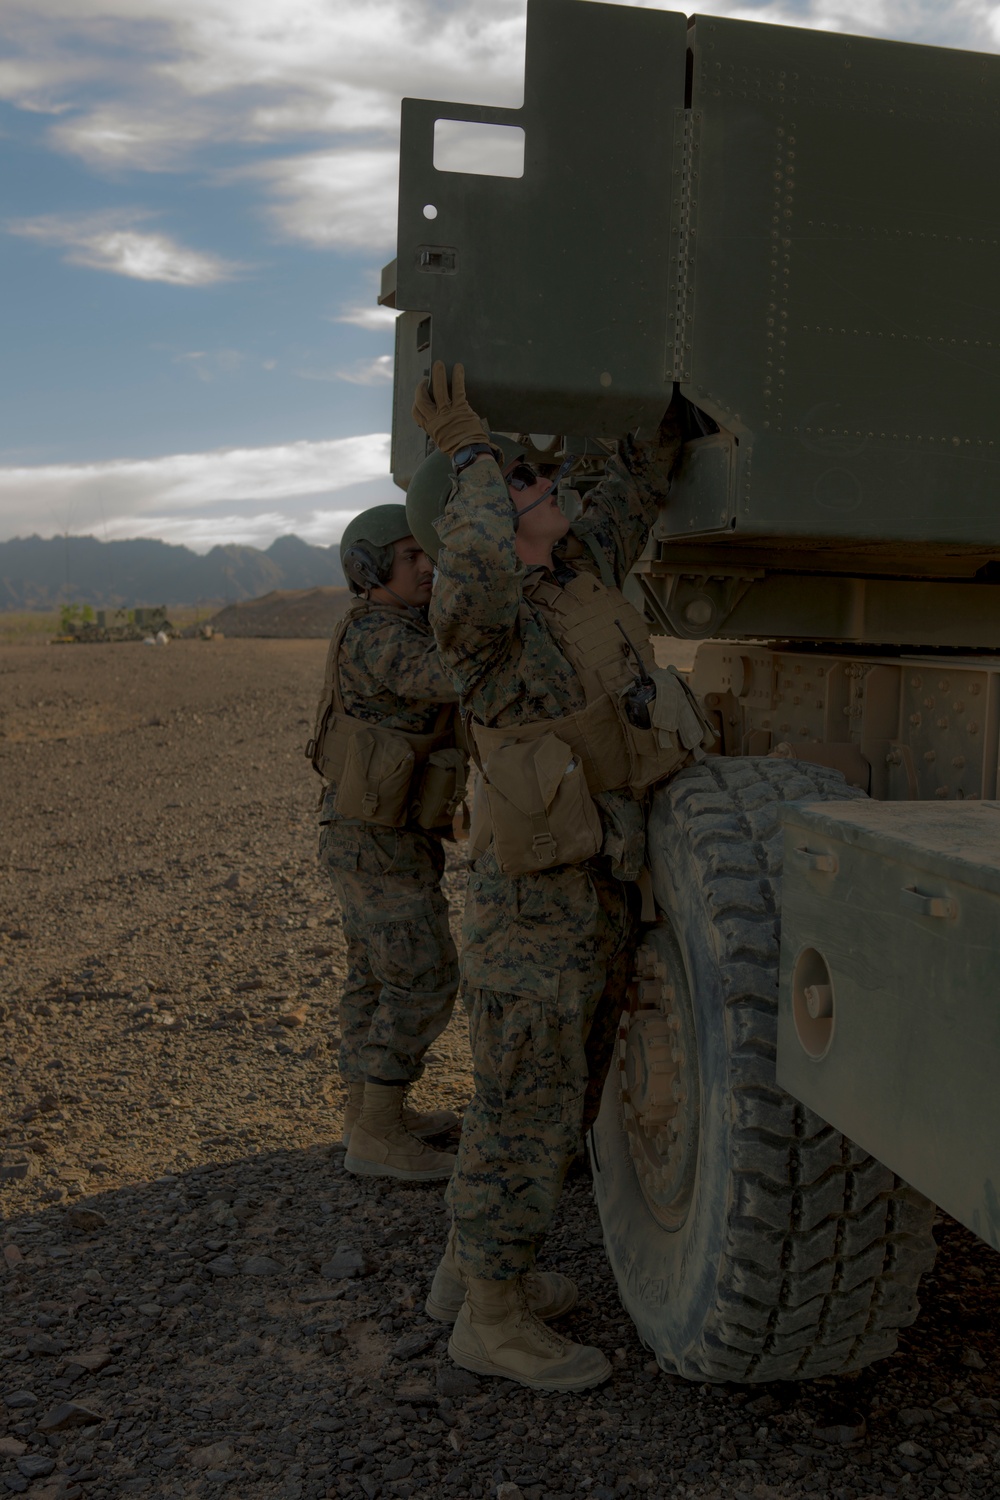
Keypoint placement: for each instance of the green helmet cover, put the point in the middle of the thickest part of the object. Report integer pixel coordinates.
(428, 491)
(374, 531)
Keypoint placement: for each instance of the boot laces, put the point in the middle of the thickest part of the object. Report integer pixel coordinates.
(541, 1331)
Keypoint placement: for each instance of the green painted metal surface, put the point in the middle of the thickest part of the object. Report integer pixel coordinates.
(553, 287)
(807, 243)
(841, 306)
(902, 904)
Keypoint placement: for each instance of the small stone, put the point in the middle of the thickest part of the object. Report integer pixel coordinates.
(92, 1360)
(417, 1392)
(85, 1218)
(212, 1456)
(398, 1469)
(453, 1381)
(150, 1309)
(262, 1265)
(222, 1265)
(18, 1400)
(68, 1414)
(40, 1343)
(844, 1427)
(15, 1166)
(508, 1491)
(412, 1344)
(36, 1465)
(12, 1255)
(233, 881)
(344, 1263)
(972, 1359)
(11, 1447)
(296, 1017)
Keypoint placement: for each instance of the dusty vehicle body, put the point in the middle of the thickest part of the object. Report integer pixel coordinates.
(798, 232)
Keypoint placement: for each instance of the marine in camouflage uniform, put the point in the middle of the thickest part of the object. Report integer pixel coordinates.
(546, 956)
(383, 670)
(402, 969)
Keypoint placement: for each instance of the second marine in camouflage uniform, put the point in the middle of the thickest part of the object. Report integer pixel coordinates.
(383, 670)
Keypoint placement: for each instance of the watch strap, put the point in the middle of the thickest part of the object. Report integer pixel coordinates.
(468, 454)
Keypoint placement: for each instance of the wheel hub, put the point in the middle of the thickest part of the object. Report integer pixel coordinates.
(658, 1078)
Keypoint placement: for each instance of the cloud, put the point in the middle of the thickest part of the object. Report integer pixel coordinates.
(102, 244)
(143, 136)
(176, 494)
(341, 198)
(319, 81)
(376, 371)
(373, 319)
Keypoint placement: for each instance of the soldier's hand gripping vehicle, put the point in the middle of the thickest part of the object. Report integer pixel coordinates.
(797, 233)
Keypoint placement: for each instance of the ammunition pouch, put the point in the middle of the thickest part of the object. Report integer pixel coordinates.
(614, 754)
(379, 773)
(608, 754)
(440, 788)
(680, 732)
(541, 811)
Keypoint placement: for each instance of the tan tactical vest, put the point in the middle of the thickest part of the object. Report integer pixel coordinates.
(614, 753)
(386, 776)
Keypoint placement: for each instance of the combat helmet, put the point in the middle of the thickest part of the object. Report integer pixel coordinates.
(431, 485)
(366, 554)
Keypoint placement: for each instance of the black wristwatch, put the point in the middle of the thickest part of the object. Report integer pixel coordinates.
(463, 457)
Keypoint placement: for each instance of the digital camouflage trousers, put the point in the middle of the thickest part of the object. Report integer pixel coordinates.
(402, 969)
(546, 962)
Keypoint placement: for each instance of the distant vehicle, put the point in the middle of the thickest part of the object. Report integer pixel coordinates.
(114, 624)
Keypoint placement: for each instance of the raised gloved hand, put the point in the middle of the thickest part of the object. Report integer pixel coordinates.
(447, 418)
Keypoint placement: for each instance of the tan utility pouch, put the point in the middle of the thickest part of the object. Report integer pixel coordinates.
(375, 781)
(541, 810)
(440, 788)
(679, 731)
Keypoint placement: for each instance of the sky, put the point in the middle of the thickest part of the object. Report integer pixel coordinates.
(196, 198)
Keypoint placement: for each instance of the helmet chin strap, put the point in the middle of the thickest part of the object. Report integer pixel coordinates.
(372, 580)
(560, 474)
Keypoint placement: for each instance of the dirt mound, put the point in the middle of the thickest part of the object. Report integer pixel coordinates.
(288, 614)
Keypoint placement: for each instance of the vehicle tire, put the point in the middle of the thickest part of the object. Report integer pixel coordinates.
(750, 1240)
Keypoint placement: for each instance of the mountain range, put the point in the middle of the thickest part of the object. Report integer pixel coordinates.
(42, 573)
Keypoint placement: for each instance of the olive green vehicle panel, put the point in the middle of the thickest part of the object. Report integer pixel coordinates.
(553, 287)
(807, 245)
(902, 903)
(841, 305)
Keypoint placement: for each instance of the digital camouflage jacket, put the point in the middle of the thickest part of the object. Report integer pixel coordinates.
(495, 645)
(390, 670)
(390, 673)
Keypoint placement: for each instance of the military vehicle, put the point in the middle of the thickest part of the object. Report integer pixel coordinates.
(117, 625)
(796, 232)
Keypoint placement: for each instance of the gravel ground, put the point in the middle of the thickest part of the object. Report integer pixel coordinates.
(197, 1300)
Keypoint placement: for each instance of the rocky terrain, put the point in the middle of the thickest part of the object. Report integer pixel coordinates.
(195, 1298)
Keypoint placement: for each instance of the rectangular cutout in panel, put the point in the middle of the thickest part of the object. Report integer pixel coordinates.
(480, 150)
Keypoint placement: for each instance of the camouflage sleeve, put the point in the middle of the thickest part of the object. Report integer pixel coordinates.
(622, 508)
(477, 594)
(393, 654)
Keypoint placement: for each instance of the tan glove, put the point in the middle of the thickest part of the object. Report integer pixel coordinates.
(448, 419)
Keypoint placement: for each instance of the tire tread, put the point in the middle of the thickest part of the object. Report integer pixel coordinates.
(824, 1247)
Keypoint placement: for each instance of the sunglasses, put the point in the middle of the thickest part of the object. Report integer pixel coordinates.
(521, 476)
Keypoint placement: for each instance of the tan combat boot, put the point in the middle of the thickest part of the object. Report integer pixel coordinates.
(423, 1123)
(496, 1333)
(380, 1147)
(548, 1294)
